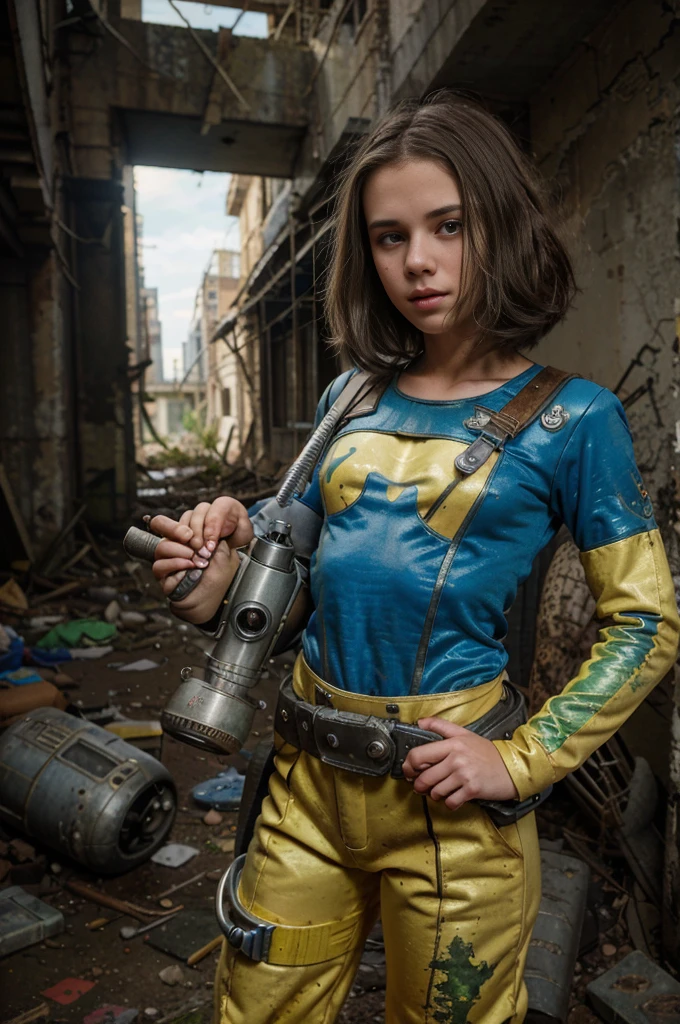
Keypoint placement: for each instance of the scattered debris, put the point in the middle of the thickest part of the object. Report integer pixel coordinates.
(24, 920)
(186, 934)
(71, 634)
(29, 1016)
(21, 676)
(21, 850)
(181, 885)
(143, 665)
(68, 990)
(104, 900)
(223, 792)
(173, 975)
(132, 618)
(90, 653)
(128, 932)
(635, 991)
(99, 922)
(112, 611)
(111, 1014)
(173, 855)
(212, 817)
(225, 845)
(13, 596)
(204, 951)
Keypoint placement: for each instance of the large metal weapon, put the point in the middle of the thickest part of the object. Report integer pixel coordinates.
(216, 712)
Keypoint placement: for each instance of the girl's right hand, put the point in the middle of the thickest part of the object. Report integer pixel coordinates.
(205, 538)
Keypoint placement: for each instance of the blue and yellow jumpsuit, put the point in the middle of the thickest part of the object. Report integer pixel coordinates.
(411, 580)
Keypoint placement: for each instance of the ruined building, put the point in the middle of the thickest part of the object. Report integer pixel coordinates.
(88, 89)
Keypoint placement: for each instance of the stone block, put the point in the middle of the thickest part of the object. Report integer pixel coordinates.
(636, 991)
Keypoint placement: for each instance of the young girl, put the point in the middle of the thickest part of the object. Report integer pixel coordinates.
(431, 504)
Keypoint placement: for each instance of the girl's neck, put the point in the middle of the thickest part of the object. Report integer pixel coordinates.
(461, 368)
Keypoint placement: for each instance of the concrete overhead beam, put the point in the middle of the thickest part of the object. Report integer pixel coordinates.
(176, 110)
(500, 49)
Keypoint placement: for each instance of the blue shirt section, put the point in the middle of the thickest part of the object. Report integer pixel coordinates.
(411, 584)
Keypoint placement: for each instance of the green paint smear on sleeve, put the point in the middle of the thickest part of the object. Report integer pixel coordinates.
(617, 663)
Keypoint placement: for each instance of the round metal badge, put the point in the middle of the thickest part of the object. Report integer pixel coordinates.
(555, 419)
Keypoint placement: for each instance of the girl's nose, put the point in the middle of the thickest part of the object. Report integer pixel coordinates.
(418, 259)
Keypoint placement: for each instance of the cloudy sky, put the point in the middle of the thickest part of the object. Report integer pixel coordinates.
(183, 211)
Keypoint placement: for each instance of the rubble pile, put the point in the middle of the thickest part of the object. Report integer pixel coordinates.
(168, 489)
(88, 633)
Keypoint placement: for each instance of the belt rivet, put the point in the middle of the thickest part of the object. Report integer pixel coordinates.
(332, 740)
(305, 726)
(284, 714)
(392, 709)
(376, 749)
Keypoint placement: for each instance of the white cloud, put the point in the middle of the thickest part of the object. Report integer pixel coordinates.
(183, 221)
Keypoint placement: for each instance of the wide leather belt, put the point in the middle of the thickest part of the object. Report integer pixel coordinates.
(369, 745)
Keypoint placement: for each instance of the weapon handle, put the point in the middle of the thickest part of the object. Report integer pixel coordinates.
(142, 545)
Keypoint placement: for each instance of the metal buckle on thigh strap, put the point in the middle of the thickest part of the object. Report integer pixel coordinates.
(285, 945)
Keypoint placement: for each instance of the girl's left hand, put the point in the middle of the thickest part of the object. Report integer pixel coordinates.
(463, 766)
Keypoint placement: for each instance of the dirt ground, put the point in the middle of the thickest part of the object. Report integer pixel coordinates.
(125, 974)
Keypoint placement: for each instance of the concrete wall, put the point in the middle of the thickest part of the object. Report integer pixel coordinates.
(604, 131)
(35, 426)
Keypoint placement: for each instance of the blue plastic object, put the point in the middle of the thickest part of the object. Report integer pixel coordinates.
(224, 792)
(20, 677)
(12, 658)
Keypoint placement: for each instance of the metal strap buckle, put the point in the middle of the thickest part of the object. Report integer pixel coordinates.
(354, 742)
(243, 930)
(476, 454)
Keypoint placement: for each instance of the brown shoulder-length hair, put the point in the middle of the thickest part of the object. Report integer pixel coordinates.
(517, 280)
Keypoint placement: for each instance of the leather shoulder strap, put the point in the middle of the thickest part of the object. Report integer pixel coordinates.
(523, 409)
(364, 399)
(517, 414)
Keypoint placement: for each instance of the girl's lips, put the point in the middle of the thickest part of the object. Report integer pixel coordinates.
(428, 301)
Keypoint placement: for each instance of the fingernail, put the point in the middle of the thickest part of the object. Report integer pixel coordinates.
(201, 563)
(210, 545)
(204, 552)
(195, 574)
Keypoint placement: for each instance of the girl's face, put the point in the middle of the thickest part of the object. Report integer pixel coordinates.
(414, 219)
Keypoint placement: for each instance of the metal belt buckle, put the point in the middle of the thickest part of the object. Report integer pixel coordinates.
(353, 742)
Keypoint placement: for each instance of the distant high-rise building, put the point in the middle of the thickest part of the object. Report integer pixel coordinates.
(151, 326)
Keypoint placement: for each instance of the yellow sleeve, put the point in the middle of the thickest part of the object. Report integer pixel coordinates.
(636, 606)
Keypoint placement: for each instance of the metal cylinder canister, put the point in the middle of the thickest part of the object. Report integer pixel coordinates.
(83, 791)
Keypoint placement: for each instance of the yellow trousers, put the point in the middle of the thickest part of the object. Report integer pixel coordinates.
(332, 850)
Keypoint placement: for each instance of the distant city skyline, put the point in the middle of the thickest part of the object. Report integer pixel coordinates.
(183, 211)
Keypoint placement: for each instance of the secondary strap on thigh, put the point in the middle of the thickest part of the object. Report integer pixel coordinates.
(286, 945)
